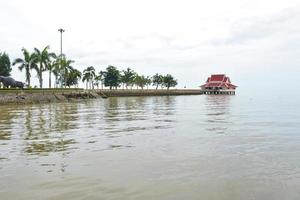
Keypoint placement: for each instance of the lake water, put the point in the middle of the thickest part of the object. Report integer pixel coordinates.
(177, 147)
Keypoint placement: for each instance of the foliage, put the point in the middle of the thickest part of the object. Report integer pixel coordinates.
(112, 77)
(43, 58)
(88, 77)
(148, 81)
(140, 81)
(57, 71)
(67, 76)
(65, 69)
(157, 80)
(51, 64)
(72, 77)
(27, 63)
(99, 79)
(169, 81)
(127, 77)
(5, 66)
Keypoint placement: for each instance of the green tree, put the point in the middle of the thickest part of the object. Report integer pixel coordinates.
(56, 70)
(72, 77)
(5, 66)
(140, 81)
(112, 77)
(88, 76)
(169, 81)
(27, 63)
(157, 80)
(54, 67)
(51, 64)
(127, 77)
(148, 81)
(43, 59)
(101, 77)
(65, 67)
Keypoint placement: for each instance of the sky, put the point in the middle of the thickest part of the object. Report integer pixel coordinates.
(255, 42)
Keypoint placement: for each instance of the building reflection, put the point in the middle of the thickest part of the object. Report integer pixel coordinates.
(217, 108)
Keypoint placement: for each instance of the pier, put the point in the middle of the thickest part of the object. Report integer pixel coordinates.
(217, 92)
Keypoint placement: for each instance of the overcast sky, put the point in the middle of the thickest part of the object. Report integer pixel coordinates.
(250, 40)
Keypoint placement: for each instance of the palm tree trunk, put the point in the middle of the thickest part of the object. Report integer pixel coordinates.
(28, 79)
(41, 80)
(49, 78)
(55, 84)
(40, 76)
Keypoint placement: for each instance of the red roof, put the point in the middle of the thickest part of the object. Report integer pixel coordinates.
(219, 80)
(217, 77)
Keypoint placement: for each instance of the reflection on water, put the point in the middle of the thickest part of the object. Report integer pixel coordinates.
(184, 147)
(217, 109)
(44, 126)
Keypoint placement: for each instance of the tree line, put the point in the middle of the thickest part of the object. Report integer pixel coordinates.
(67, 76)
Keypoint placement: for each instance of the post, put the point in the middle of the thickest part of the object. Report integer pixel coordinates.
(61, 32)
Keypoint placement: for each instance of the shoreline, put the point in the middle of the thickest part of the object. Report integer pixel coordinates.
(59, 95)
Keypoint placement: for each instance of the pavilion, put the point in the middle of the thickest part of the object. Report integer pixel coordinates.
(218, 84)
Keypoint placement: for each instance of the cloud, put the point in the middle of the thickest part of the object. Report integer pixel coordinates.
(255, 29)
(188, 39)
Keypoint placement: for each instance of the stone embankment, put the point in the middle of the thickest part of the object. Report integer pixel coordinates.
(40, 96)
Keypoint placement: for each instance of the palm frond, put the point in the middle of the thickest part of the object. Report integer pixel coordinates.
(18, 60)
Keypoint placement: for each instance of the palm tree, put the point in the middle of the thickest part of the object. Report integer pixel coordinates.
(140, 81)
(43, 58)
(27, 63)
(56, 70)
(76, 74)
(51, 66)
(97, 80)
(65, 68)
(127, 77)
(72, 77)
(88, 76)
(148, 81)
(101, 75)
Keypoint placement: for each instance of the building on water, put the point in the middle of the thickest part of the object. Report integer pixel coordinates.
(218, 84)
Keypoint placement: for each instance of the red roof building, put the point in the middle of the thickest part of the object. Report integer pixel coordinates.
(218, 82)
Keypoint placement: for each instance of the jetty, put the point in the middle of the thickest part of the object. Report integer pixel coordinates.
(146, 92)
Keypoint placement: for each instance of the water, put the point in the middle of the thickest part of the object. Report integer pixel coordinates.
(183, 147)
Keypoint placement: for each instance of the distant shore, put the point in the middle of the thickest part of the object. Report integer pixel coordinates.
(29, 96)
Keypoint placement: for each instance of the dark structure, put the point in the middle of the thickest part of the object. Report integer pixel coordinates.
(218, 84)
(10, 82)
